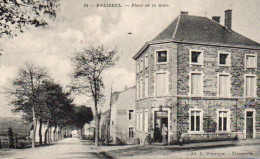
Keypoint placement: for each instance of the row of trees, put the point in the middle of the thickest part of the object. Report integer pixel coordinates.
(39, 98)
(33, 91)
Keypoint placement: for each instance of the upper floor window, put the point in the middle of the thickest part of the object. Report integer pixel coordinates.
(141, 88)
(224, 59)
(161, 84)
(161, 56)
(250, 85)
(137, 89)
(196, 120)
(196, 57)
(224, 85)
(196, 84)
(141, 65)
(131, 114)
(146, 62)
(146, 86)
(137, 67)
(251, 61)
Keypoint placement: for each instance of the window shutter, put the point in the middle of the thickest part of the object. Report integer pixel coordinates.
(164, 79)
(224, 83)
(250, 61)
(196, 84)
(250, 86)
(161, 84)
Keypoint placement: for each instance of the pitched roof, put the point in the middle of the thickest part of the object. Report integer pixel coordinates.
(201, 30)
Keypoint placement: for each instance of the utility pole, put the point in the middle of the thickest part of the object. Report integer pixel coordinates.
(109, 117)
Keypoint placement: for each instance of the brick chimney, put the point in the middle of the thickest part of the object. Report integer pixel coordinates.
(228, 19)
(216, 19)
(184, 13)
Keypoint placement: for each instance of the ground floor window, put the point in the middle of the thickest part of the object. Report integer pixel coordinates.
(223, 120)
(196, 120)
(131, 132)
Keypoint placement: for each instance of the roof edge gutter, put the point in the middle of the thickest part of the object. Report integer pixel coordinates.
(189, 42)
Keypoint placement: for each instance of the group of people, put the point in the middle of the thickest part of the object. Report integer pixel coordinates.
(160, 135)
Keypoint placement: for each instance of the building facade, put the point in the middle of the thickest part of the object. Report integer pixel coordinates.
(199, 79)
(122, 123)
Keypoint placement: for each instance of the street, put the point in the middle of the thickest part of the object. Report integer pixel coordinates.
(66, 148)
(76, 148)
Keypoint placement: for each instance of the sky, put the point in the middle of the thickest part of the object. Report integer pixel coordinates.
(77, 27)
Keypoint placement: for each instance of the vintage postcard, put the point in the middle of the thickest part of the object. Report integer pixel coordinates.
(129, 79)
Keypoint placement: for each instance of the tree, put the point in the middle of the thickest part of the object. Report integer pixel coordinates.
(18, 14)
(11, 137)
(89, 66)
(58, 106)
(83, 115)
(25, 93)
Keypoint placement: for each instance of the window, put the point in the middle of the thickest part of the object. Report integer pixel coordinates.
(137, 121)
(224, 85)
(141, 88)
(161, 56)
(146, 86)
(223, 121)
(141, 65)
(146, 62)
(137, 67)
(137, 89)
(146, 121)
(250, 86)
(196, 84)
(131, 114)
(196, 120)
(196, 57)
(249, 114)
(131, 132)
(224, 59)
(251, 61)
(141, 121)
(161, 84)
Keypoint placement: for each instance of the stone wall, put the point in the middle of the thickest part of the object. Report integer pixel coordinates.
(211, 68)
(209, 106)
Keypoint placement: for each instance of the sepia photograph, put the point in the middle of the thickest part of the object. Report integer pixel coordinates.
(139, 79)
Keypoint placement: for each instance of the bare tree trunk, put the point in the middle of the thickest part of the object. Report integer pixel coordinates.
(54, 133)
(49, 138)
(34, 128)
(46, 135)
(40, 132)
(97, 129)
(81, 131)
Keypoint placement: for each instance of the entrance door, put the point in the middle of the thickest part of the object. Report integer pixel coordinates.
(249, 125)
(160, 120)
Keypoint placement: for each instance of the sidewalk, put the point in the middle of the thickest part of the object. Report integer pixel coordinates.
(154, 150)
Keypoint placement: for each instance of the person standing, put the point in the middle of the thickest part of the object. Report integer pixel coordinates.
(164, 133)
(156, 133)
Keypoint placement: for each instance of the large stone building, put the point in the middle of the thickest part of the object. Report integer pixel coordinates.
(200, 79)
